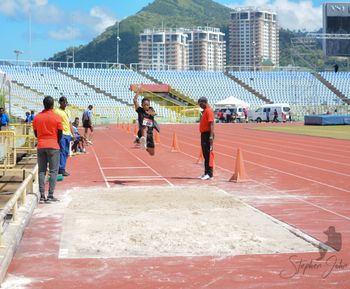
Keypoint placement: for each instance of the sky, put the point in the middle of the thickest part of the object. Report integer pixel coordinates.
(55, 25)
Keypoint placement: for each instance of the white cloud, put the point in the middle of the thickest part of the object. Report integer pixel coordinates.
(102, 18)
(300, 15)
(41, 2)
(68, 33)
(8, 7)
(40, 10)
(62, 25)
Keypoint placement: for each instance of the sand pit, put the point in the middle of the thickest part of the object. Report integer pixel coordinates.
(168, 221)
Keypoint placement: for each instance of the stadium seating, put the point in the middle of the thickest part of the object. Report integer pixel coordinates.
(50, 82)
(291, 87)
(108, 89)
(23, 100)
(341, 80)
(215, 86)
(47, 81)
(117, 83)
(113, 81)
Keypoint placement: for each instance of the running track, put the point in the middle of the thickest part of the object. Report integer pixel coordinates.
(300, 180)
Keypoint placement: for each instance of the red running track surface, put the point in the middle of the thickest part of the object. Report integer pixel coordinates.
(300, 180)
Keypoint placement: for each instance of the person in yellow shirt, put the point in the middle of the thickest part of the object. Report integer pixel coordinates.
(67, 134)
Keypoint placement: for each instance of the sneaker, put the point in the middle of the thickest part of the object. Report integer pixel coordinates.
(65, 174)
(143, 144)
(89, 142)
(52, 199)
(206, 177)
(43, 199)
(201, 176)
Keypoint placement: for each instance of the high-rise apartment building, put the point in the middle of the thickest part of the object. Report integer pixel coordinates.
(158, 47)
(206, 48)
(254, 37)
(203, 48)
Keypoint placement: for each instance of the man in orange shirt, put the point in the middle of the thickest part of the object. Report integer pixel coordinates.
(206, 128)
(48, 128)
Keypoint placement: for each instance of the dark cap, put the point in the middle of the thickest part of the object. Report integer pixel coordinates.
(203, 99)
(63, 99)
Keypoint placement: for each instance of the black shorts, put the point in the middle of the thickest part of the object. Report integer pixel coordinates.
(86, 124)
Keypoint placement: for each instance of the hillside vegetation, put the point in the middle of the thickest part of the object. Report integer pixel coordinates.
(180, 13)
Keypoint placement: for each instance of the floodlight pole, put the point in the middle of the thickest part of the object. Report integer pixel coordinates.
(17, 52)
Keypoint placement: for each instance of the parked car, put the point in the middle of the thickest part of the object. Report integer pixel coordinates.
(259, 115)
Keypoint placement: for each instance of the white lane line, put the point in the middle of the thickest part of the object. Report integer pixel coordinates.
(142, 161)
(134, 177)
(63, 253)
(123, 168)
(277, 170)
(281, 192)
(285, 160)
(99, 166)
(299, 146)
(290, 153)
(262, 146)
(312, 204)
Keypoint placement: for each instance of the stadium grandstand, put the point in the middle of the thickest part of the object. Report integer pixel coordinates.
(108, 89)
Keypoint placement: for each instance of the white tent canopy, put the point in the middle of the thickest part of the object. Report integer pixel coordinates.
(232, 102)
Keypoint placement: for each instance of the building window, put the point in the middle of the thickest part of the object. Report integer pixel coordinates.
(243, 15)
(157, 38)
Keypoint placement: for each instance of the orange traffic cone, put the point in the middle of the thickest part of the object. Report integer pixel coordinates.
(201, 157)
(128, 128)
(135, 130)
(239, 174)
(156, 137)
(175, 147)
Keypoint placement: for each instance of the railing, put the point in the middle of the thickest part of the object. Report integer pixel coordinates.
(8, 154)
(24, 137)
(167, 114)
(145, 66)
(19, 198)
(8, 158)
(63, 64)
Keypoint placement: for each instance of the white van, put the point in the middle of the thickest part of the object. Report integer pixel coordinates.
(266, 112)
(236, 113)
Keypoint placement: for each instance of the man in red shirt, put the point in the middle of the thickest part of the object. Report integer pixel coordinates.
(206, 128)
(48, 128)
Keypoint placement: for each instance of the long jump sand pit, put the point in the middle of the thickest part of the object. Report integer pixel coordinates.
(169, 221)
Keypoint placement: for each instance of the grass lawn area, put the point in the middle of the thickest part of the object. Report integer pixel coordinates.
(331, 131)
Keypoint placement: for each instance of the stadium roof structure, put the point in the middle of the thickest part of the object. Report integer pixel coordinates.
(328, 36)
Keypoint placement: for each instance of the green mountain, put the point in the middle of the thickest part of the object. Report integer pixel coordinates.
(160, 13)
(183, 13)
